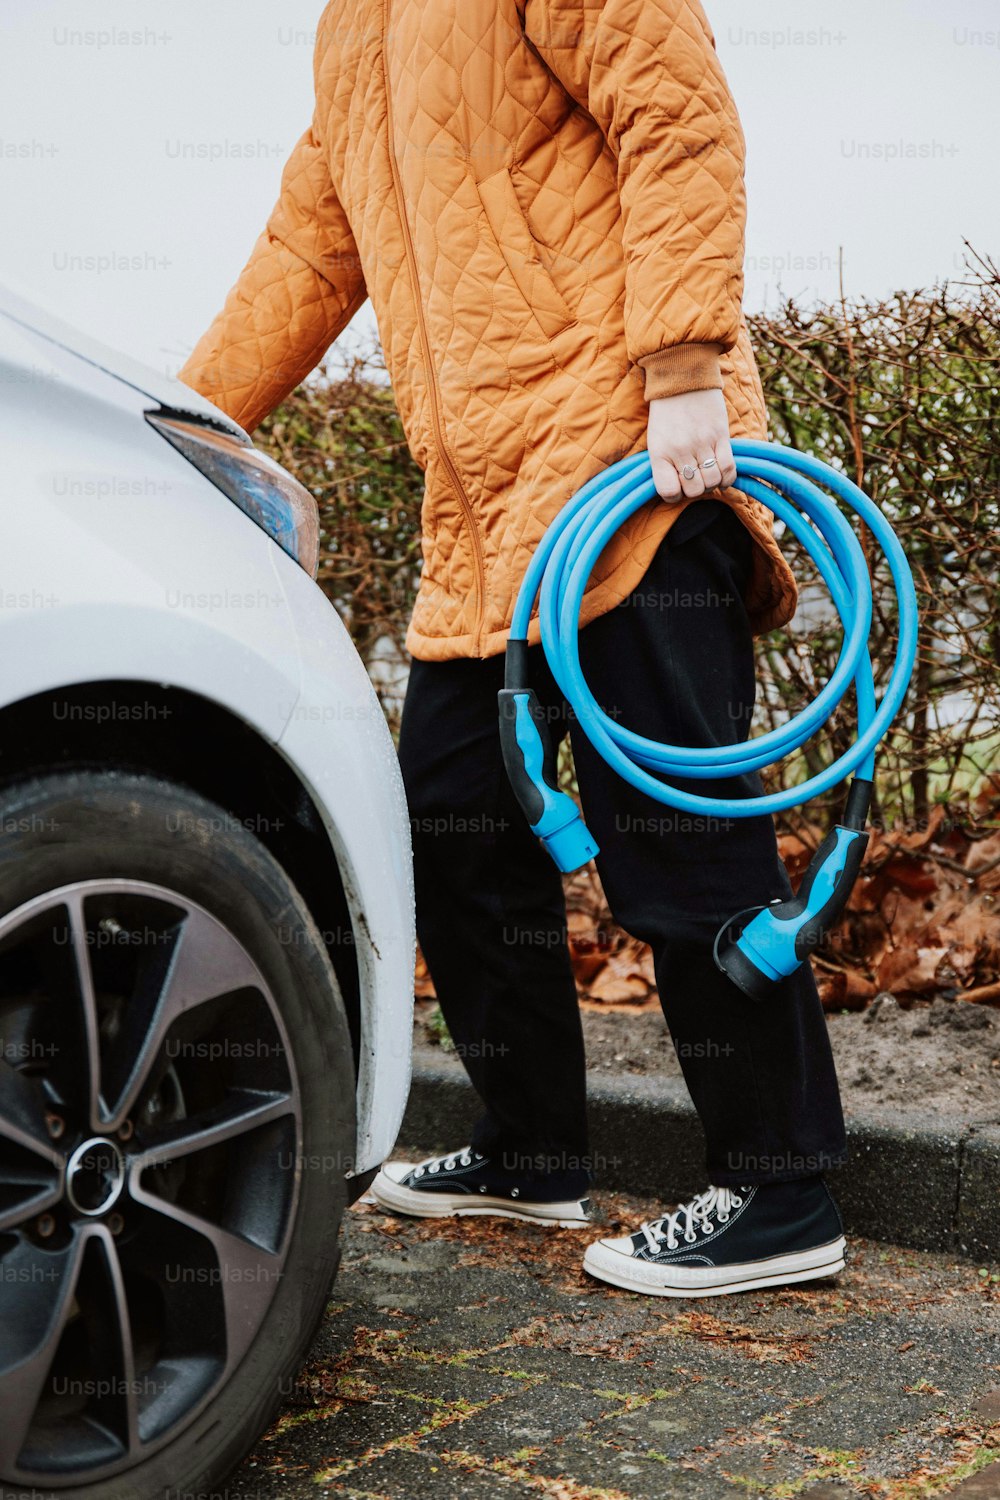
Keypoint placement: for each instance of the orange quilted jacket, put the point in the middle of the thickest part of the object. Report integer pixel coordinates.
(544, 200)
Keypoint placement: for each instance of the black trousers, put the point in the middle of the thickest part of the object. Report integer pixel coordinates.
(673, 661)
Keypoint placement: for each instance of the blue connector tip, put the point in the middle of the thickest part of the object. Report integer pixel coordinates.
(571, 846)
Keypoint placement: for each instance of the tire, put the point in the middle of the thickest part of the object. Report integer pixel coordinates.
(176, 1118)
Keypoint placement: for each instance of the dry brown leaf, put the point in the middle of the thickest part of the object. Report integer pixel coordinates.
(423, 984)
(624, 977)
(909, 970)
(845, 989)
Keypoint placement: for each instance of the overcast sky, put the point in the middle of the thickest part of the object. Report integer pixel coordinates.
(141, 147)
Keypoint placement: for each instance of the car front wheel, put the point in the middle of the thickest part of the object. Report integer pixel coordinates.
(176, 1119)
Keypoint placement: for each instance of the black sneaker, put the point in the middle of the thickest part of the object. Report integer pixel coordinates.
(728, 1240)
(465, 1183)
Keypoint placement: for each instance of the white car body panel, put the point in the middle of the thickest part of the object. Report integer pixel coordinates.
(59, 335)
(336, 738)
(121, 561)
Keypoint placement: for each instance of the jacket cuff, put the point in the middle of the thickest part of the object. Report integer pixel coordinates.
(683, 368)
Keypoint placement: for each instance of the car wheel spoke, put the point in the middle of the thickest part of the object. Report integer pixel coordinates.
(31, 1168)
(244, 1111)
(88, 1002)
(247, 1273)
(46, 1286)
(116, 1331)
(22, 1115)
(207, 962)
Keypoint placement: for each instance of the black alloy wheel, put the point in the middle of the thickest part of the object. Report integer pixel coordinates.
(161, 1048)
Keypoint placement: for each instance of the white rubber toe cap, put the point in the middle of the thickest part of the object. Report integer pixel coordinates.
(397, 1170)
(621, 1246)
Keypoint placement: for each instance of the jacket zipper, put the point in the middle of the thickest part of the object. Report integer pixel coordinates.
(430, 376)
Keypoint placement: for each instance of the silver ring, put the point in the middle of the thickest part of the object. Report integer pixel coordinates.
(709, 463)
(689, 471)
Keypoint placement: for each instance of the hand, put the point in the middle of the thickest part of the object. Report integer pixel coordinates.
(684, 431)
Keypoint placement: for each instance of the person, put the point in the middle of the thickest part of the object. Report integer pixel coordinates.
(544, 200)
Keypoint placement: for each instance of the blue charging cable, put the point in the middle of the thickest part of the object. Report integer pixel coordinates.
(759, 947)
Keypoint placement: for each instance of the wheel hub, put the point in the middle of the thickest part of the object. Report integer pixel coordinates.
(95, 1176)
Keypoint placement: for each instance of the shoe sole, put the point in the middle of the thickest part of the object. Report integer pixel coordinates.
(779, 1270)
(403, 1200)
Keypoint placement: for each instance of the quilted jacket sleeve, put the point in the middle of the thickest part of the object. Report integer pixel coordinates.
(648, 73)
(301, 286)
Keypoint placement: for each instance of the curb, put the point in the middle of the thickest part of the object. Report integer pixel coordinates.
(924, 1182)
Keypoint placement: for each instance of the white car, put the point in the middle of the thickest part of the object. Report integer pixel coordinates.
(206, 927)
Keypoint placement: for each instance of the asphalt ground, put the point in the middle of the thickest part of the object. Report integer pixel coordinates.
(474, 1359)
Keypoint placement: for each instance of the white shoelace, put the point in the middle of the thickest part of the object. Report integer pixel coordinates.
(713, 1204)
(434, 1164)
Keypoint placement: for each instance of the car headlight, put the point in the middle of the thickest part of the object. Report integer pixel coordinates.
(262, 489)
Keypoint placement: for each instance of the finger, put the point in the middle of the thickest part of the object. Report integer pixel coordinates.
(694, 485)
(666, 479)
(708, 467)
(726, 461)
